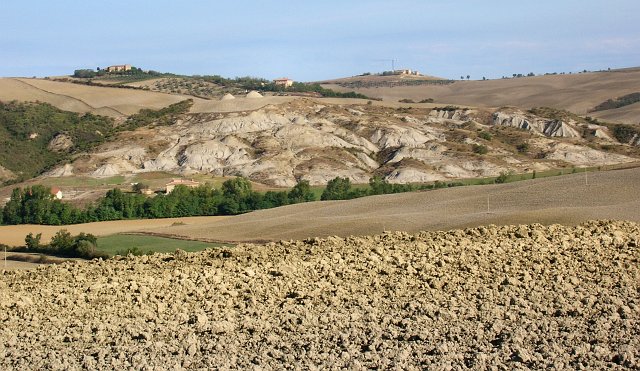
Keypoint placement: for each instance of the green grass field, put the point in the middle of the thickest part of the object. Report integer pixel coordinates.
(121, 242)
(82, 181)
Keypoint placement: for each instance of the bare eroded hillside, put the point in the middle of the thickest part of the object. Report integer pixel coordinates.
(318, 140)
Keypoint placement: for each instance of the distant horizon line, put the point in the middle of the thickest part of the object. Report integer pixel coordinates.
(509, 76)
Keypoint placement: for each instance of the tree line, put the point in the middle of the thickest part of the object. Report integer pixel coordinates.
(36, 205)
(260, 84)
(84, 245)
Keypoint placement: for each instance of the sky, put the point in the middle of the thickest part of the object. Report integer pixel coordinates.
(318, 40)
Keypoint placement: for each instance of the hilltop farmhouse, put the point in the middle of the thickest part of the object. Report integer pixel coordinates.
(119, 68)
(284, 81)
(402, 72)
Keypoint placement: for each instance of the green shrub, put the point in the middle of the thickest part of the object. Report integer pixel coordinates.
(62, 242)
(33, 242)
(135, 251)
(438, 184)
(502, 178)
(480, 149)
(301, 193)
(485, 135)
(523, 147)
(337, 189)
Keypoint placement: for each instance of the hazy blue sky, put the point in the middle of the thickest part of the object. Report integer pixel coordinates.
(314, 40)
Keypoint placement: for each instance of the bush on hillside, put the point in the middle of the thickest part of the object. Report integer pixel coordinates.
(480, 149)
(84, 73)
(625, 133)
(485, 135)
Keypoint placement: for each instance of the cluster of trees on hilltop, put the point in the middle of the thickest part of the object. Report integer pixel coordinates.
(99, 72)
(260, 84)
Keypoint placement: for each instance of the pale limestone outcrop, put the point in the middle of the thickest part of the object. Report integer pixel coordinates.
(279, 145)
(60, 143)
(546, 127)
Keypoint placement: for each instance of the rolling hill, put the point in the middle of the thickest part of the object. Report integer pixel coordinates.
(578, 93)
(80, 98)
(278, 140)
(569, 199)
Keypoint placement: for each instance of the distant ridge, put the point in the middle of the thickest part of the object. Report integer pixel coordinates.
(579, 93)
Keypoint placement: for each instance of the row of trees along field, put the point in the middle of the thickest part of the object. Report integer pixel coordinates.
(35, 205)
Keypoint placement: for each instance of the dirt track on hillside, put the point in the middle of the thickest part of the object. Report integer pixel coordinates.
(507, 297)
(566, 199)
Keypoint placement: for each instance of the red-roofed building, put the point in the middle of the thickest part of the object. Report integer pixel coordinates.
(285, 81)
(56, 193)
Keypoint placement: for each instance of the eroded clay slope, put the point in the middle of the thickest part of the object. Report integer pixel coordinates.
(316, 141)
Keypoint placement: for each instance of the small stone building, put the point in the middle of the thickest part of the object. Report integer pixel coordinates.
(119, 68)
(285, 81)
(176, 182)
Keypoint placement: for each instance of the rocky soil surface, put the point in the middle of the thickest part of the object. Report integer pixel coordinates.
(511, 297)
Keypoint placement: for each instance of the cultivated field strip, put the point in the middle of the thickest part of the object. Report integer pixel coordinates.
(513, 297)
(569, 199)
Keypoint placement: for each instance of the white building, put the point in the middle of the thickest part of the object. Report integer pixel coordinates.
(56, 193)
